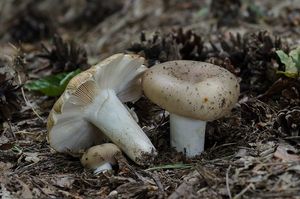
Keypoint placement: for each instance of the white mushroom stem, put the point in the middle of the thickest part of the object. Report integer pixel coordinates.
(115, 121)
(187, 135)
(104, 167)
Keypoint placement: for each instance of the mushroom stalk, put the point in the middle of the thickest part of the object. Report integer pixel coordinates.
(104, 167)
(115, 121)
(187, 135)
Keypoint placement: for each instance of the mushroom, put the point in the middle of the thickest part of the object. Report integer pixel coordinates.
(91, 109)
(194, 93)
(100, 158)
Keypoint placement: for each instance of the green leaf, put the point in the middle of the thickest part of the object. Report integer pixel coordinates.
(284, 58)
(290, 61)
(288, 74)
(203, 12)
(295, 55)
(171, 166)
(256, 10)
(53, 85)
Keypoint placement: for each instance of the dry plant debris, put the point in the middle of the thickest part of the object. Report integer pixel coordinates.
(64, 56)
(92, 12)
(30, 25)
(9, 100)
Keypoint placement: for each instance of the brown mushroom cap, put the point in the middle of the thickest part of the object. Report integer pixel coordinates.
(192, 89)
(99, 155)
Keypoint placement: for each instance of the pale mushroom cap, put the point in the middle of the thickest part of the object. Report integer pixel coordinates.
(192, 89)
(99, 155)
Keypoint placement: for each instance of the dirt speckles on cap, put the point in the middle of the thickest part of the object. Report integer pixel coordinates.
(192, 89)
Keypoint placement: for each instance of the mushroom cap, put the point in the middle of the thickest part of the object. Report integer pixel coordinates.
(192, 89)
(99, 155)
(68, 129)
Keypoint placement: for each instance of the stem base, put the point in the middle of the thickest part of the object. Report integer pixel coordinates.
(187, 135)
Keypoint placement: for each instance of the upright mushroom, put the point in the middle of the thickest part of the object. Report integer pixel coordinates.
(193, 92)
(91, 108)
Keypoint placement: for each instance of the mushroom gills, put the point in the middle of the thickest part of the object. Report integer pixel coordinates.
(187, 135)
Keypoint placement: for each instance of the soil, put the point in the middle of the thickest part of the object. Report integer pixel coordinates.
(254, 152)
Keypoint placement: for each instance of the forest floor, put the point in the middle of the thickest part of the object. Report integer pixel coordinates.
(252, 153)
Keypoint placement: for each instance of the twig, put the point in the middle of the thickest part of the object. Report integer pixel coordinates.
(243, 191)
(158, 183)
(220, 159)
(170, 166)
(22, 90)
(227, 182)
(11, 131)
(223, 145)
(291, 137)
(27, 102)
(284, 194)
(156, 180)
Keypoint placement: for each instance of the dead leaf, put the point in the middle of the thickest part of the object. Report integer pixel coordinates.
(241, 153)
(257, 168)
(48, 190)
(283, 152)
(32, 157)
(65, 182)
(3, 140)
(69, 195)
(36, 192)
(26, 192)
(5, 166)
(295, 168)
(5, 193)
(277, 87)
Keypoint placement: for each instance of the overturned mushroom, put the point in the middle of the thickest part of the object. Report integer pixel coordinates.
(91, 108)
(193, 93)
(100, 158)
